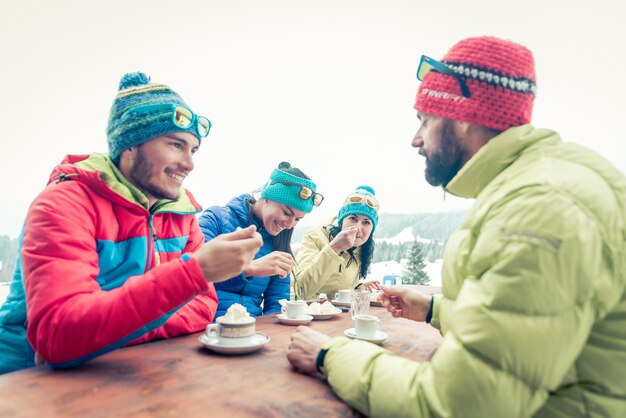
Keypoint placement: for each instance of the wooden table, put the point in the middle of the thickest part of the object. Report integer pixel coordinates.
(179, 378)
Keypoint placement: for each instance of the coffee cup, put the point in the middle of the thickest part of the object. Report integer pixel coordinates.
(365, 326)
(344, 295)
(295, 309)
(232, 333)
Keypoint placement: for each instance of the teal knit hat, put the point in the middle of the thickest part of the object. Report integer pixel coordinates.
(126, 130)
(291, 190)
(360, 202)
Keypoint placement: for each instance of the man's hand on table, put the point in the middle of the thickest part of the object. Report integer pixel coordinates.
(405, 302)
(305, 345)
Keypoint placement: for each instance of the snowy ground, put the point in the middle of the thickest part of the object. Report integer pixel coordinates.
(406, 235)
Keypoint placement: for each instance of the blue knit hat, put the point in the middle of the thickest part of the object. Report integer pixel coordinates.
(360, 202)
(126, 130)
(286, 188)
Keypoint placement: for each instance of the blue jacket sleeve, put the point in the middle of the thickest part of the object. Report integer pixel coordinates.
(276, 289)
(210, 224)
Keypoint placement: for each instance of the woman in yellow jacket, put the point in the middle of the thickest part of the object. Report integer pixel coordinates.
(337, 256)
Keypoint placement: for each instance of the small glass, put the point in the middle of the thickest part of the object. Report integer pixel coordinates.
(360, 303)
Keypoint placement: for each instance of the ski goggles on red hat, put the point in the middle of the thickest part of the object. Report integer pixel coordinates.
(182, 117)
(428, 64)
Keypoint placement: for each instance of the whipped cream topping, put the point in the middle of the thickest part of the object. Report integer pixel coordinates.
(237, 313)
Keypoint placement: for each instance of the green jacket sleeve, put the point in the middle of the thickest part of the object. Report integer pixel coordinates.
(315, 262)
(513, 332)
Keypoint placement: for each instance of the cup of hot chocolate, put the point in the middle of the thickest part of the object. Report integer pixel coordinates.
(234, 328)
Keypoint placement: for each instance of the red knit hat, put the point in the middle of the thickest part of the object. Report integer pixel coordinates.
(500, 76)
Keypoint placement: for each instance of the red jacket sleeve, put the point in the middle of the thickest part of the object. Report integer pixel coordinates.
(196, 314)
(70, 318)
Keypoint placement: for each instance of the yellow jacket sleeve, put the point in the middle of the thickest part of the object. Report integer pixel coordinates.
(319, 269)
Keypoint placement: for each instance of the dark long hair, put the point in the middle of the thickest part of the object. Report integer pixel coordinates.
(282, 241)
(367, 250)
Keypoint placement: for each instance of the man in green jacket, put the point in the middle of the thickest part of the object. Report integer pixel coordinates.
(533, 310)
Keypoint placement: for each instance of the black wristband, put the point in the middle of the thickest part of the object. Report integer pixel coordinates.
(429, 315)
(319, 361)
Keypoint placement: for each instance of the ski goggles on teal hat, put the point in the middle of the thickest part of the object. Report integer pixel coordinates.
(142, 123)
(293, 191)
(181, 117)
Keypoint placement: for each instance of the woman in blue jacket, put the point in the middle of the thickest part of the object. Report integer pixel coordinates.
(285, 199)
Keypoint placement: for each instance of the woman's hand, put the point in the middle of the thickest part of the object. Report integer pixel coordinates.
(405, 302)
(344, 240)
(370, 286)
(276, 263)
(306, 344)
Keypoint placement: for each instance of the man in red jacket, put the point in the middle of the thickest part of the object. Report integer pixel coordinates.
(111, 253)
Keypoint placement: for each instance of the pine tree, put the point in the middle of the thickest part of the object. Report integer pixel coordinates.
(414, 272)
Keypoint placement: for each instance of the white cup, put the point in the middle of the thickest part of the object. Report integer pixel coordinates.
(232, 333)
(344, 295)
(365, 326)
(295, 309)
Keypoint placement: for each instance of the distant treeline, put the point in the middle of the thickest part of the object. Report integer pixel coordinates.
(433, 226)
(436, 227)
(396, 252)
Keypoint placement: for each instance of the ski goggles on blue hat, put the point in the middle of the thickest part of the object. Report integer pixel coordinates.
(428, 64)
(365, 200)
(182, 117)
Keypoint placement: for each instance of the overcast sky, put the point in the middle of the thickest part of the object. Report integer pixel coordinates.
(326, 85)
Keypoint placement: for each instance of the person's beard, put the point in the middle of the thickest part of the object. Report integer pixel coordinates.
(446, 160)
(143, 174)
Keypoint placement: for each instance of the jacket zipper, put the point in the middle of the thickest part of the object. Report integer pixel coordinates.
(151, 239)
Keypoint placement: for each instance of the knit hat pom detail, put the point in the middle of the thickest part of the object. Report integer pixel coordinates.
(367, 189)
(128, 128)
(283, 165)
(133, 79)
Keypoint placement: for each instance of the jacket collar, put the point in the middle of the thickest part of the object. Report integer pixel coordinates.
(100, 172)
(492, 158)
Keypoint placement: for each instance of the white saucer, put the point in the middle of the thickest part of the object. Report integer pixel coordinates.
(300, 321)
(340, 303)
(248, 345)
(378, 338)
(326, 315)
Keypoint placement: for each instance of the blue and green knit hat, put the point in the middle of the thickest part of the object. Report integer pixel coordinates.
(286, 188)
(126, 130)
(362, 201)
